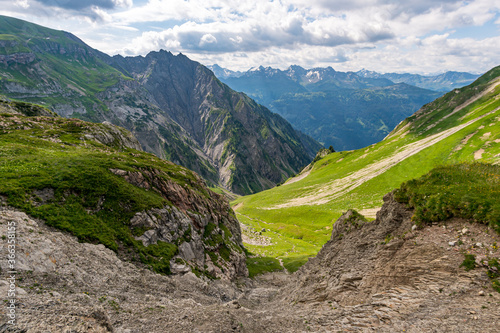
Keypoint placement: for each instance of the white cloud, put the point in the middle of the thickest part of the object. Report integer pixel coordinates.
(207, 39)
(23, 4)
(349, 34)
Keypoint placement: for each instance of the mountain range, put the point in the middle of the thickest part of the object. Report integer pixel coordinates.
(109, 238)
(442, 82)
(347, 110)
(176, 107)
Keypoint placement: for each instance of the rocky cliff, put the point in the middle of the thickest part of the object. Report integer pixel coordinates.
(176, 107)
(91, 181)
(389, 275)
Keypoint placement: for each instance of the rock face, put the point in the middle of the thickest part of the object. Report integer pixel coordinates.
(176, 107)
(207, 231)
(361, 281)
(388, 275)
(241, 144)
(183, 225)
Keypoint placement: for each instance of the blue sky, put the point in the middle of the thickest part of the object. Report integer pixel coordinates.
(417, 36)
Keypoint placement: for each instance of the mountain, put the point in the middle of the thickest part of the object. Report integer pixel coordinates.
(176, 107)
(112, 239)
(353, 118)
(268, 84)
(345, 110)
(91, 181)
(442, 82)
(461, 126)
(223, 72)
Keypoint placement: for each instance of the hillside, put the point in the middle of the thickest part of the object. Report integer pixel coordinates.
(176, 107)
(461, 126)
(442, 82)
(345, 110)
(91, 181)
(383, 276)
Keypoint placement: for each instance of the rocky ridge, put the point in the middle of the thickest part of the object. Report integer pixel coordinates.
(198, 225)
(394, 276)
(184, 226)
(176, 107)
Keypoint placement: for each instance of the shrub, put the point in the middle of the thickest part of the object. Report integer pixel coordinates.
(470, 191)
(469, 262)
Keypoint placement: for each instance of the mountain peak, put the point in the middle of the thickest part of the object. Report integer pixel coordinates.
(176, 107)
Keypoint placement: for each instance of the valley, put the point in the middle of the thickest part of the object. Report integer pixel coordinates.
(142, 194)
(346, 110)
(450, 130)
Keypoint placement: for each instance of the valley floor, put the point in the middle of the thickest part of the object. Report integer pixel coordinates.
(411, 283)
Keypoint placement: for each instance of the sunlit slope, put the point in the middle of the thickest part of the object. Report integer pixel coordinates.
(460, 126)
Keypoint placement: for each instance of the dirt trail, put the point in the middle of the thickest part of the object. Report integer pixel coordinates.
(492, 87)
(299, 177)
(338, 187)
(369, 212)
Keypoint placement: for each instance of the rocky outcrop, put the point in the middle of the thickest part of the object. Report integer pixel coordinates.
(18, 58)
(388, 275)
(63, 285)
(202, 224)
(25, 109)
(111, 135)
(361, 281)
(41, 118)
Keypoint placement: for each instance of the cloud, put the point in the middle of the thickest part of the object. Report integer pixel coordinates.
(22, 3)
(79, 4)
(207, 39)
(252, 34)
(352, 34)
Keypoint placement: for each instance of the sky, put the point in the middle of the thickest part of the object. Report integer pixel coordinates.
(412, 36)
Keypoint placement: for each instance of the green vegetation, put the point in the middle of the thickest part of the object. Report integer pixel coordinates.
(49, 170)
(261, 265)
(470, 191)
(494, 273)
(469, 262)
(299, 215)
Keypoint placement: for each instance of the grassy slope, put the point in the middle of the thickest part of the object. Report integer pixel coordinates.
(65, 64)
(40, 153)
(301, 229)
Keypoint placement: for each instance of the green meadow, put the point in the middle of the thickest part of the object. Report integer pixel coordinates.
(461, 126)
(87, 200)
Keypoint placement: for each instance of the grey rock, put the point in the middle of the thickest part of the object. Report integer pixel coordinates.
(186, 252)
(354, 284)
(179, 268)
